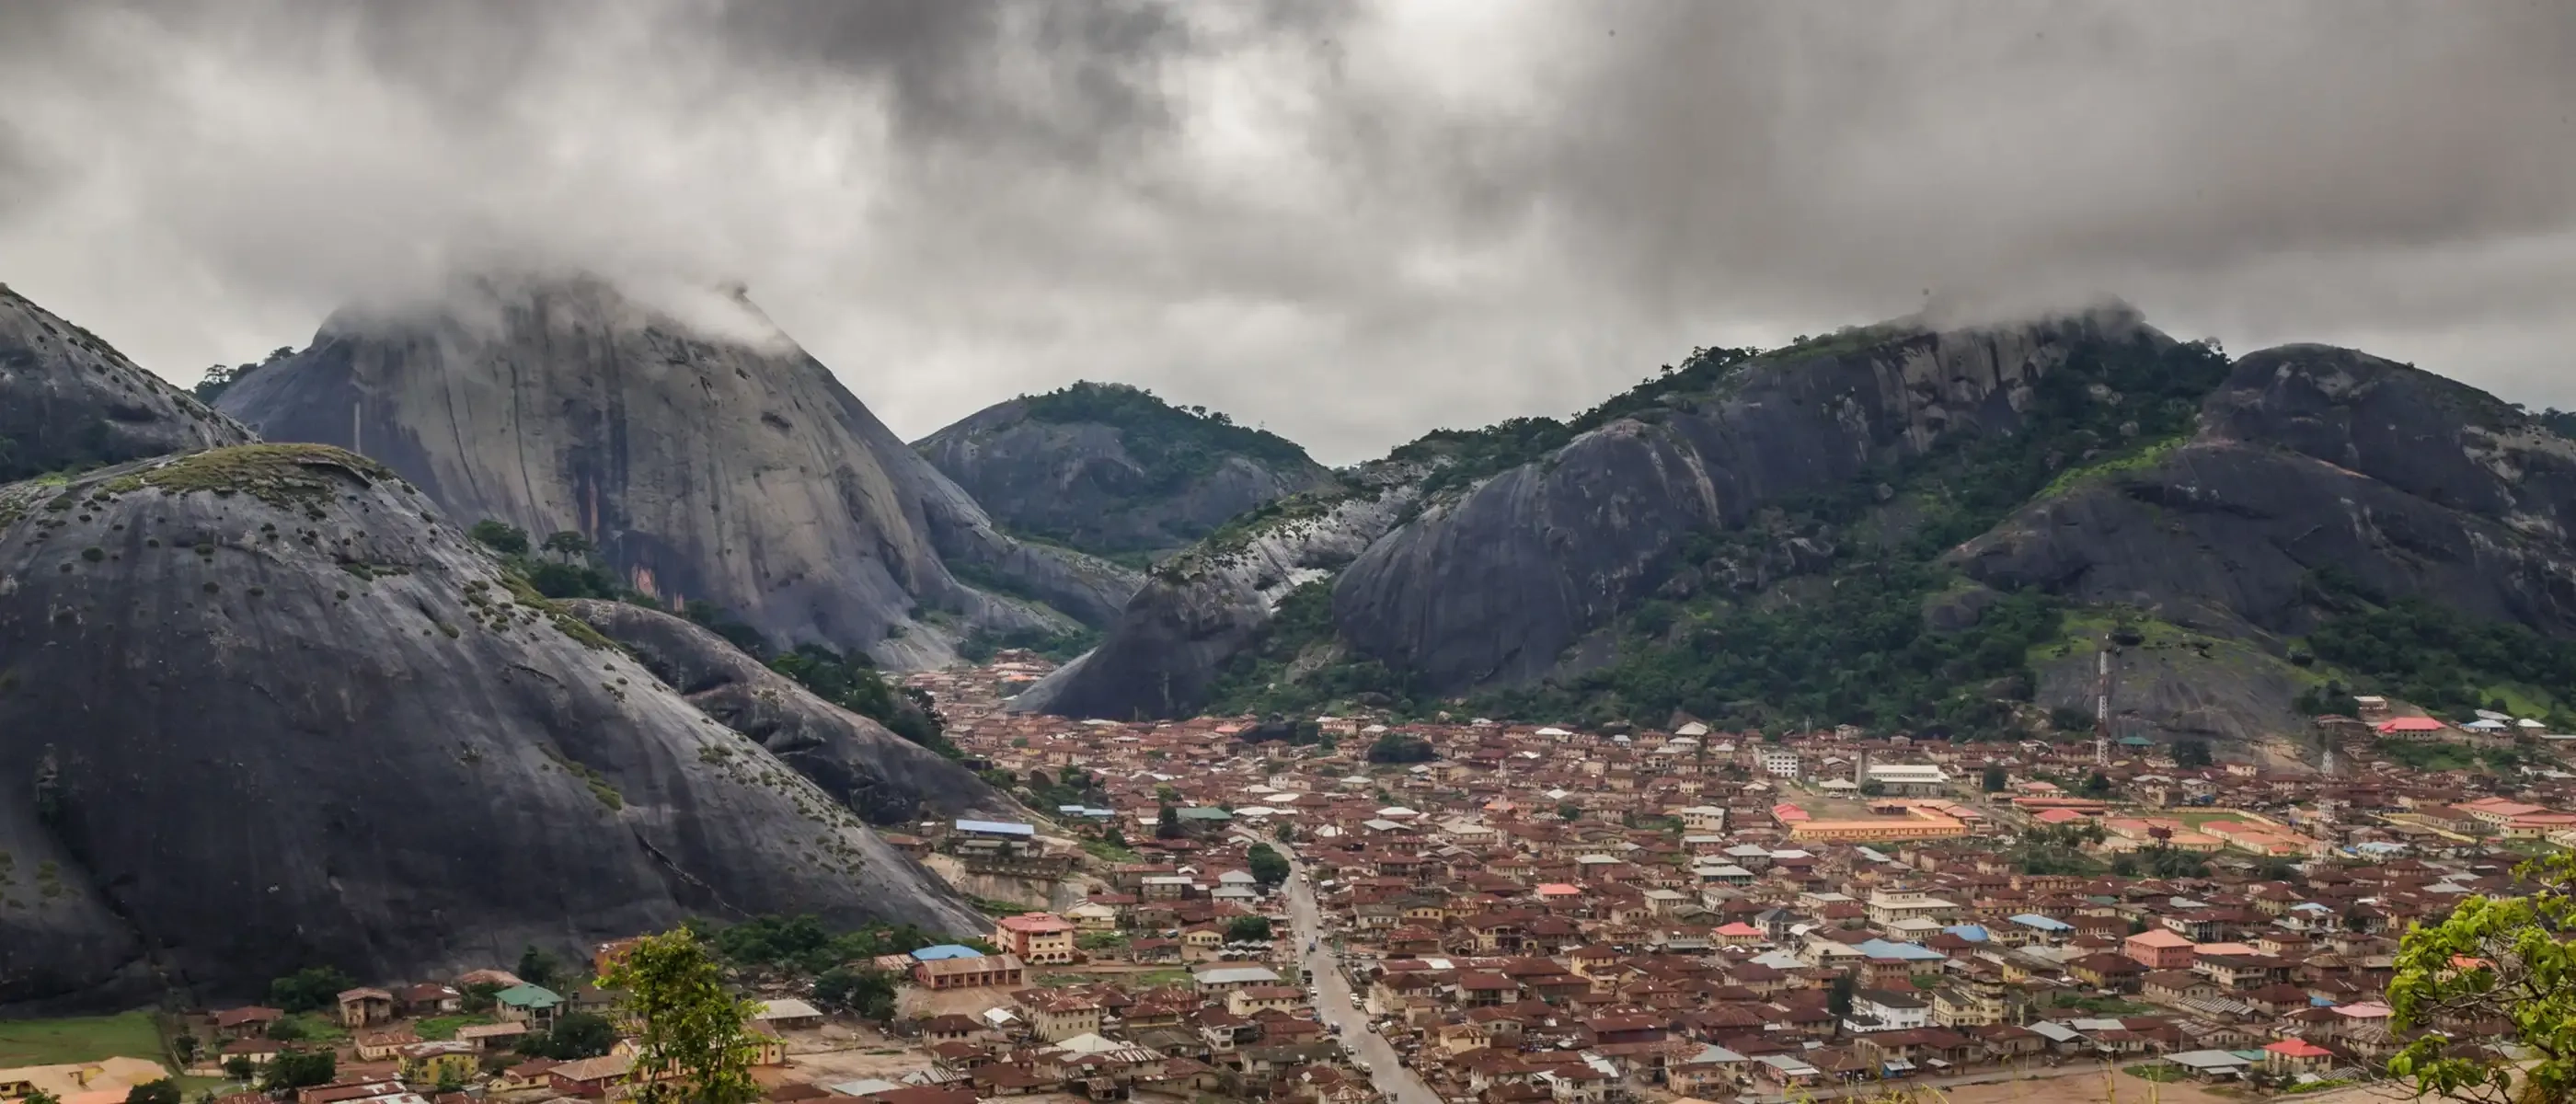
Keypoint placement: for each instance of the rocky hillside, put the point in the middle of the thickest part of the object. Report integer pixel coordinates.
(70, 401)
(889, 780)
(1911, 529)
(2322, 486)
(266, 709)
(707, 460)
(1114, 470)
(1214, 604)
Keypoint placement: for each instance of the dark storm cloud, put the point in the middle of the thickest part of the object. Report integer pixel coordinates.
(1349, 221)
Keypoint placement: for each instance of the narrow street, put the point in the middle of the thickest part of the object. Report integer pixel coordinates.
(1333, 999)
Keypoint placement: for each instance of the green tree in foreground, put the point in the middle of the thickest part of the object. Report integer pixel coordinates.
(536, 967)
(309, 990)
(574, 1035)
(1995, 780)
(499, 536)
(694, 1029)
(864, 992)
(39, 1096)
(567, 544)
(1167, 824)
(1248, 929)
(2494, 961)
(298, 1069)
(1269, 867)
(163, 1091)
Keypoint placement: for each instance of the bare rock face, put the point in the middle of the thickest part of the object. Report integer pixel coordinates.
(1203, 607)
(262, 708)
(885, 778)
(709, 459)
(2314, 458)
(1494, 587)
(1115, 471)
(68, 400)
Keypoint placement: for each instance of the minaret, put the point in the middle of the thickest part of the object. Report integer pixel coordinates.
(2102, 706)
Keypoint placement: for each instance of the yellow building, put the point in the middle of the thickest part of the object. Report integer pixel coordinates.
(439, 1063)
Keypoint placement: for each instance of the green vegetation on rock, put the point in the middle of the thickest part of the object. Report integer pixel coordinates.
(280, 475)
(2433, 656)
(1852, 645)
(1260, 679)
(853, 683)
(981, 645)
(1173, 444)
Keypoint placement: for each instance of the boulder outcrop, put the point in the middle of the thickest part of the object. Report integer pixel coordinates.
(69, 400)
(262, 707)
(707, 458)
(887, 779)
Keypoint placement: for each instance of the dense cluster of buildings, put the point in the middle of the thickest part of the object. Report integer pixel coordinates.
(1581, 915)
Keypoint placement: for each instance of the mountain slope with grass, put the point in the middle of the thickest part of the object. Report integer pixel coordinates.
(267, 709)
(1115, 471)
(1917, 530)
(702, 454)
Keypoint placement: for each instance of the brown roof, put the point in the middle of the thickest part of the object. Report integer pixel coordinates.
(248, 1014)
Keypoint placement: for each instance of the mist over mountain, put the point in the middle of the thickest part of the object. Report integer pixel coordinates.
(1348, 222)
(1906, 528)
(706, 457)
(1537, 329)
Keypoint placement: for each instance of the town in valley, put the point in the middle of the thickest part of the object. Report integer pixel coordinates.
(1345, 910)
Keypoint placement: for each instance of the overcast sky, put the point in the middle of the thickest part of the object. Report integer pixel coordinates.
(1350, 222)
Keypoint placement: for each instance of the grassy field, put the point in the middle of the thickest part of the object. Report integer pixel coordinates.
(79, 1039)
(444, 1027)
(2103, 1006)
(2194, 818)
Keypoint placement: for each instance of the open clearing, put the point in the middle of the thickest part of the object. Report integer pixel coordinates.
(78, 1039)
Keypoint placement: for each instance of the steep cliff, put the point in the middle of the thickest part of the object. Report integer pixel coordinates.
(708, 458)
(262, 708)
(68, 400)
(1497, 585)
(1512, 551)
(2313, 469)
(889, 780)
(1115, 471)
(1931, 532)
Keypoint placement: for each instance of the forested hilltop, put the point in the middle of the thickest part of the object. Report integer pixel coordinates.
(1115, 470)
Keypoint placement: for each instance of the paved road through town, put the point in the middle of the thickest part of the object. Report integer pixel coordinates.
(1333, 1000)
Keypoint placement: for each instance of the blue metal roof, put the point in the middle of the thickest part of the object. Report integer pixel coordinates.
(945, 951)
(1880, 948)
(2043, 923)
(996, 827)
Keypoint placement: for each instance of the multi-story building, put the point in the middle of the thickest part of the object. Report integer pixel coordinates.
(1038, 938)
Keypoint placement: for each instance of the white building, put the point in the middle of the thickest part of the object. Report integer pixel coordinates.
(1779, 762)
(1879, 1010)
(1908, 778)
